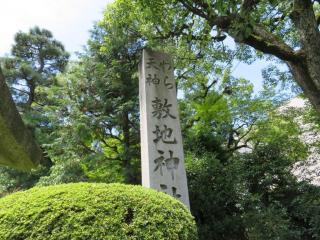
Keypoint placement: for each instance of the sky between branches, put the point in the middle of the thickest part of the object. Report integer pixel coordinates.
(70, 22)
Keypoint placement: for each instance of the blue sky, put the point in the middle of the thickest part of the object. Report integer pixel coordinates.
(70, 22)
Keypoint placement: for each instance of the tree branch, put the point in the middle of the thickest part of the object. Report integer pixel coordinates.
(260, 38)
(206, 91)
(86, 147)
(266, 42)
(189, 6)
(248, 5)
(20, 90)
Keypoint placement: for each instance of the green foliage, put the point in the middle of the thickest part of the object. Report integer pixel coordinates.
(99, 127)
(12, 180)
(36, 58)
(195, 30)
(277, 205)
(89, 122)
(94, 211)
(280, 129)
(215, 196)
(227, 114)
(252, 195)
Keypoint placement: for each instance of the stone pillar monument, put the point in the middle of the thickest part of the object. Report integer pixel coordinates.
(162, 157)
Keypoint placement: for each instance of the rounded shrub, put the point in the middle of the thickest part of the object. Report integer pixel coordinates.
(94, 211)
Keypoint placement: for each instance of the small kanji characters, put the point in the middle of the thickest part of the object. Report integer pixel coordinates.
(153, 80)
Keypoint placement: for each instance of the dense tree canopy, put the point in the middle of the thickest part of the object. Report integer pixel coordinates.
(287, 30)
(240, 148)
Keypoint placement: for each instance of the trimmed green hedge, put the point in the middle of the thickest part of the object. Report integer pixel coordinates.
(94, 211)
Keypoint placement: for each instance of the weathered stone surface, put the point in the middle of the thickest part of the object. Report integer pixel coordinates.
(17, 146)
(161, 142)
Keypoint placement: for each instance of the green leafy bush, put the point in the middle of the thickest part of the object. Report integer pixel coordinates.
(94, 211)
(214, 190)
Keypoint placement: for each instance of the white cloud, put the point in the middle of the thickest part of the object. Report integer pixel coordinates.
(68, 20)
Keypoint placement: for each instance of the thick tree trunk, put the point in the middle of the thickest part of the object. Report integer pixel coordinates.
(126, 145)
(307, 74)
(304, 63)
(300, 72)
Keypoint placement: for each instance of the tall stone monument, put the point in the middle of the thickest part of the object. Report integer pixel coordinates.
(162, 157)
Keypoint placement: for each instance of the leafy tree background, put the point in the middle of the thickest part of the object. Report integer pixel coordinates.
(240, 149)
